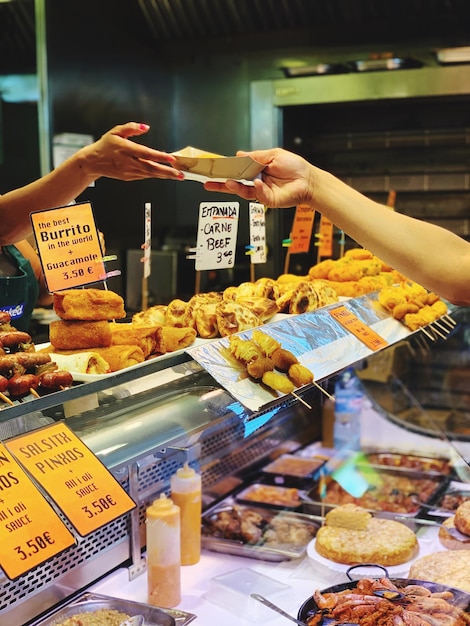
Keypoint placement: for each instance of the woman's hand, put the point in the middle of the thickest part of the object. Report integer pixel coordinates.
(115, 156)
(286, 180)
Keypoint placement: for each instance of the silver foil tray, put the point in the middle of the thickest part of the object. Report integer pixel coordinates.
(89, 602)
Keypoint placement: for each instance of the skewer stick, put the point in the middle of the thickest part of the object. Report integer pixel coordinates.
(441, 335)
(449, 320)
(300, 400)
(6, 399)
(428, 334)
(34, 393)
(328, 395)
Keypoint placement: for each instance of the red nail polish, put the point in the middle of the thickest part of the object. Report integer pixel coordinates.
(144, 127)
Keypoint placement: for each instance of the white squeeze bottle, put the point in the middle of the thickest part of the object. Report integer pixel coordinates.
(186, 493)
(163, 553)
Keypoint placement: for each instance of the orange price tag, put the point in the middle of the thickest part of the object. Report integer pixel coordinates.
(360, 330)
(77, 481)
(325, 237)
(68, 246)
(302, 229)
(30, 530)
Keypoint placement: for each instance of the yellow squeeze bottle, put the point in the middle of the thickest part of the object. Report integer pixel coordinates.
(163, 553)
(186, 494)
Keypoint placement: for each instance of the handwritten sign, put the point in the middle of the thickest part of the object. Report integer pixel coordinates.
(325, 241)
(68, 246)
(257, 233)
(30, 530)
(302, 229)
(82, 487)
(356, 327)
(217, 235)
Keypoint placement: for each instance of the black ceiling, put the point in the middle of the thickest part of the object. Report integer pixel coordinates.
(168, 25)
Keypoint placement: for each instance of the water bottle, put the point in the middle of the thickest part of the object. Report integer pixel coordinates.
(348, 407)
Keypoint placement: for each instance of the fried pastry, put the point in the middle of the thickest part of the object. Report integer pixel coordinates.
(264, 308)
(206, 321)
(283, 359)
(303, 299)
(175, 313)
(79, 335)
(267, 343)
(300, 375)
(88, 304)
(278, 382)
(233, 317)
(122, 356)
(153, 315)
(175, 338)
(243, 349)
(148, 338)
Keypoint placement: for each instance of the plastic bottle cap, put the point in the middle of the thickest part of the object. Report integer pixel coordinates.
(185, 471)
(161, 506)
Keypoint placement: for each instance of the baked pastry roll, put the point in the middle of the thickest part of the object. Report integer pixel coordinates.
(81, 362)
(233, 317)
(175, 312)
(195, 303)
(303, 299)
(148, 338)
(88, 304)
(264, 308)
(79, 335)
(206, 321)
(121, 356)
(174, 338)
(153, 315)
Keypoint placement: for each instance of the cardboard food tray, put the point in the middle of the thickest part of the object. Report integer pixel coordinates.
(262, 551)
(201, 165)
(89, 602)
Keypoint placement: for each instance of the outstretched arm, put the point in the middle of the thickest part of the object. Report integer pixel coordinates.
(114, 155)
(432, 256)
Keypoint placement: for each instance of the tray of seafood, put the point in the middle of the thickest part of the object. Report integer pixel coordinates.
(291, 470)
(271, 496)
(408, 462)
(257, 532)
(445, 504)
(387, 492)
(90, 609)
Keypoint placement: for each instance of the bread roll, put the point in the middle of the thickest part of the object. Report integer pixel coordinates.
(79, 335)
(88, 304)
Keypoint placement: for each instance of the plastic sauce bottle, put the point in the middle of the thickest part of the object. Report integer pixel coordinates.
(186, 493)
(348, 406)
(163, 553)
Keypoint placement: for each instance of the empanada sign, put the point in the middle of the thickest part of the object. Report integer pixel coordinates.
(217, 235)
(68, 246)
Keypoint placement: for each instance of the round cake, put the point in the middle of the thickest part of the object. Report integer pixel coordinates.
(447, 568)
(384, 542)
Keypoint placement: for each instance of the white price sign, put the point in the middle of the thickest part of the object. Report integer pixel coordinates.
(257, 233)
(217, 235)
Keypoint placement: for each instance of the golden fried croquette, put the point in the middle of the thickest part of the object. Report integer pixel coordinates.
(267, 343)
(283, 359)
(321, 269)
(300, 375)
(358, 253)
(278, 382)
(258, 367)
(400, 310)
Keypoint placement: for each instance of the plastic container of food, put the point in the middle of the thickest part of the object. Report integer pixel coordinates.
(292, 471)
(232, 592)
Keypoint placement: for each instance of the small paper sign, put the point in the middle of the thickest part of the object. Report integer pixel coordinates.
(81, 486)
(68, 246)
(325, 241)
(30, 530)
(216, 235)
(257, 248)
(356, 327)
(302, 229)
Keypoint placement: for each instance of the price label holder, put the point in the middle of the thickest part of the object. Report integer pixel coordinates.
(68, 246)
(76, 480)
(356, 327)
(30, 530)
(302, 229)
(217, 235)
(257, 247)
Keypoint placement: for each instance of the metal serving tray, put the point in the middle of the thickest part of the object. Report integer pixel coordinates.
(438, 485)
(89, 602)
(290, 470)
(261, 549)
(408, 462)
(244, 496)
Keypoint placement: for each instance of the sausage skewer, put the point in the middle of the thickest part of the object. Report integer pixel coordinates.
(4, 387)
